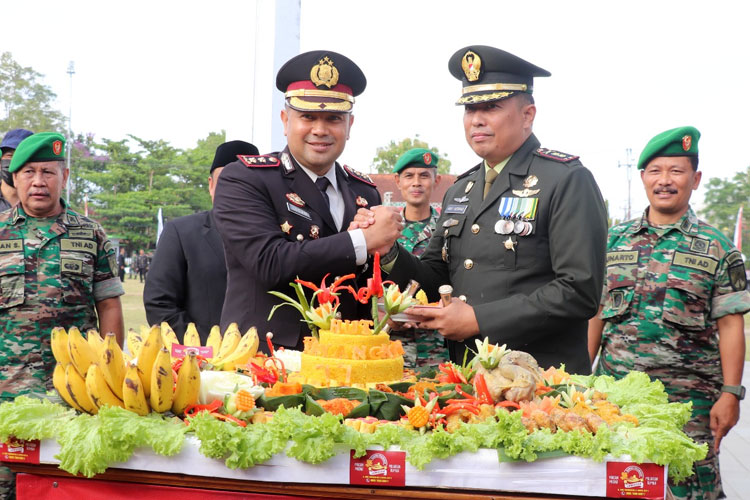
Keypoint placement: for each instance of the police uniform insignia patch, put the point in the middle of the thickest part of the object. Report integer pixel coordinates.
(287, 162)
(462, 199)
(259, 161)
(456, 209)
(737, 277)
(450, 223)
(699, 245)
(361, 202)
(324, 73)
(286, 227)
(314, 232)
(526, 192)
(551, 154)
(297, 210)
(295, 199)
(359, 175)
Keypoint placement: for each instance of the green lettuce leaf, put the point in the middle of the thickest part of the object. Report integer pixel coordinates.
(27, 418)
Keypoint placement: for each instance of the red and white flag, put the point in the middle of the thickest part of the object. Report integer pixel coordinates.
(738, 231)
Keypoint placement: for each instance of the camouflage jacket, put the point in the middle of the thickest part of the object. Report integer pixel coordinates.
(665, 288)
(52, 273)
(416, 234)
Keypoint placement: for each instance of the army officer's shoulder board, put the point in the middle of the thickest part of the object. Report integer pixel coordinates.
(551, 154)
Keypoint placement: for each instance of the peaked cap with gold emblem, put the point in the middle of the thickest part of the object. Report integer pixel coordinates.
(490, 74)
(321, 80)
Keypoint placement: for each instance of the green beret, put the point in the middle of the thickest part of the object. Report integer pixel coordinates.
(417, 157)
(44, 146)
(680, 141)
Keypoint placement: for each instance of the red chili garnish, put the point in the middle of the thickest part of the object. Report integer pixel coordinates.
(230, 418)
(483, 392)
(193, 410)
(509, 404)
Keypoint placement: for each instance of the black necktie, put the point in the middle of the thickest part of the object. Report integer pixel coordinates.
(322, 183)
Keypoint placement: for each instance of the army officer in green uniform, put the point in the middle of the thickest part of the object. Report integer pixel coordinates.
(673, 301)
(521, 235)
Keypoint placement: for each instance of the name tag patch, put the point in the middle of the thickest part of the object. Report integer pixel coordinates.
(698, 262)
(81, 233)
(456, 209)
(87, 246)
(298, 211)
(71, 266)
(8, 246)
(621, 258)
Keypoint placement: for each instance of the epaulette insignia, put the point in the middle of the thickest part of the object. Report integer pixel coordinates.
(468, 172)
(551, 154)
(359, 175)
(259, 161)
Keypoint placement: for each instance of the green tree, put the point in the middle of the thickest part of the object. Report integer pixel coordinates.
(26, 102)
(127, 181)
(722, 202)
(386, 157)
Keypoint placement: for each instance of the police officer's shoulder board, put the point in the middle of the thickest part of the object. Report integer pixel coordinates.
(468, 172)
(551, 154)
(260, 160)
(359, 175)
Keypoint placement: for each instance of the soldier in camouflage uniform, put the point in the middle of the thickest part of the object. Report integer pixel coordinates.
(673, 302)
(416, 175)
(57, 268)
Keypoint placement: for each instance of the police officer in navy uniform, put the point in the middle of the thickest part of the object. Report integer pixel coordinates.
(285, 215)
(521, 235)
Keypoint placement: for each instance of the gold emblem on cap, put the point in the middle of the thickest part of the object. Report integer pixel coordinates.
(687, 141)
(472, 66)
(324, 73)
(57, 147)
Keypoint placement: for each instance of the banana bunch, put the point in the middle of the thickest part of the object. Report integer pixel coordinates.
(94, 371)
(234, 349)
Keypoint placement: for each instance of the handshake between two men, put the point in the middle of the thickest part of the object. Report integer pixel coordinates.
(382, 226)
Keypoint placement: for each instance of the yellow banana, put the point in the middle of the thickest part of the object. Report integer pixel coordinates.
(95, 341)
(144, 331)
(214, 340)
(146, 356)
(188, 384)
(81, 353)
(162, 382)
(126, 357)
(112, 364)
(98, 390)
(132, 392)
(76, 386)
(191, 337)
(246, 349)
(59, 345)
(229, 343)
(134, 341)
(168, 337)
(58, 380)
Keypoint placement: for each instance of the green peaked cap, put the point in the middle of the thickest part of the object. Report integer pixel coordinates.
(44, 146)
(417, 157)
(680, 141)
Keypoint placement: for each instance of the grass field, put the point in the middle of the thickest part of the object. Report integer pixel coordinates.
(132, 304)
(135, 315)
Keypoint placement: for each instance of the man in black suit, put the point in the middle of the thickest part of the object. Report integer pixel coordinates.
(285, 215)
(187, 278)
